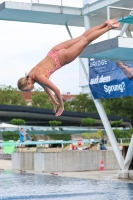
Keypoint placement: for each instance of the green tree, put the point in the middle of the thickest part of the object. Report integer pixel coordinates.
(97, 135)
(67, 106)
(41, 99)
(18, 121)
(10, 136)
(54, 123)
(11, 96)
(83, 103)
(88, 121)
(122, 134)
(100, 133)
(116, 123)
(119, 107)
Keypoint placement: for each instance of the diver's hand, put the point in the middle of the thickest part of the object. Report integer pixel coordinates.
(56, 104)
(60, 111)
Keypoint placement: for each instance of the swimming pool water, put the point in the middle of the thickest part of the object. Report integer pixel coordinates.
(35, 187)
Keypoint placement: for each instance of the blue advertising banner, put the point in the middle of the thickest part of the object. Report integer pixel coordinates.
(108, 79)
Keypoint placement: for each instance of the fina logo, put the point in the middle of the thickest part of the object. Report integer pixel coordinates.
(97, 63)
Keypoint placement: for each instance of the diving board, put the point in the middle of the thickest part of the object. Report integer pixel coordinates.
(127, 19)
(39, 13)
(118, 48)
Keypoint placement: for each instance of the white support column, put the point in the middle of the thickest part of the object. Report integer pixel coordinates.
(125, 26)
(61, 7)
(109, 132)
(128, 33)
(80, 59)
(87, 22)
(129, 156)
(104, 118)
(108, 18)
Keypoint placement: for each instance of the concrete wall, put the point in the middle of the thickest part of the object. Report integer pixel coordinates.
(23, 160)
(68, 161)
(65, 161)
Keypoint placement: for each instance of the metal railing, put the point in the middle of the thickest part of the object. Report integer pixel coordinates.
(124, 140)
(118, 8)
(69, 3)
(85, 141)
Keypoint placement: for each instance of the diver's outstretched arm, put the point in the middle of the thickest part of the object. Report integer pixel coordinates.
(47, 83)
(52, 97)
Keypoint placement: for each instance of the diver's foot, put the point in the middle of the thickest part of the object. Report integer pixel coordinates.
(113, 25)
(110, 21)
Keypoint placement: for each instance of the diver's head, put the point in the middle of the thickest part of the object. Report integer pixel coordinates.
(25, 84)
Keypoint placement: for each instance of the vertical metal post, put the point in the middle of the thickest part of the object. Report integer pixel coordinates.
(109, 132)
(129, 156)
(61, 8)
(31, 3)
(70, 35)
(104, 118)
(125, 26)
(108, 18)
(80, 60)
(128, 33)
(87, 22)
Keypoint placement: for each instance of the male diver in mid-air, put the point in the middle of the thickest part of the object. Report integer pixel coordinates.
(59, 56)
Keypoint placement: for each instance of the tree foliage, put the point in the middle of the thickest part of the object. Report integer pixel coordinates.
(116, 123)
(9, 135)
(18, 121)
(9, 95)
(67, 106)
(41, 99)
(122, 107)
(88, 121)
(54, 123)
(119, 107)
(82, 103)
(95, 135)
(122, 134)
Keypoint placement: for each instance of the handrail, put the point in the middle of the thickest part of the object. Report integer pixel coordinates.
(120, 8)
(124, 140)
(45, 142)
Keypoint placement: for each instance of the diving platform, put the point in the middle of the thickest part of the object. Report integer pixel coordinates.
(41, 13)
(118, 48)
(15, 10)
